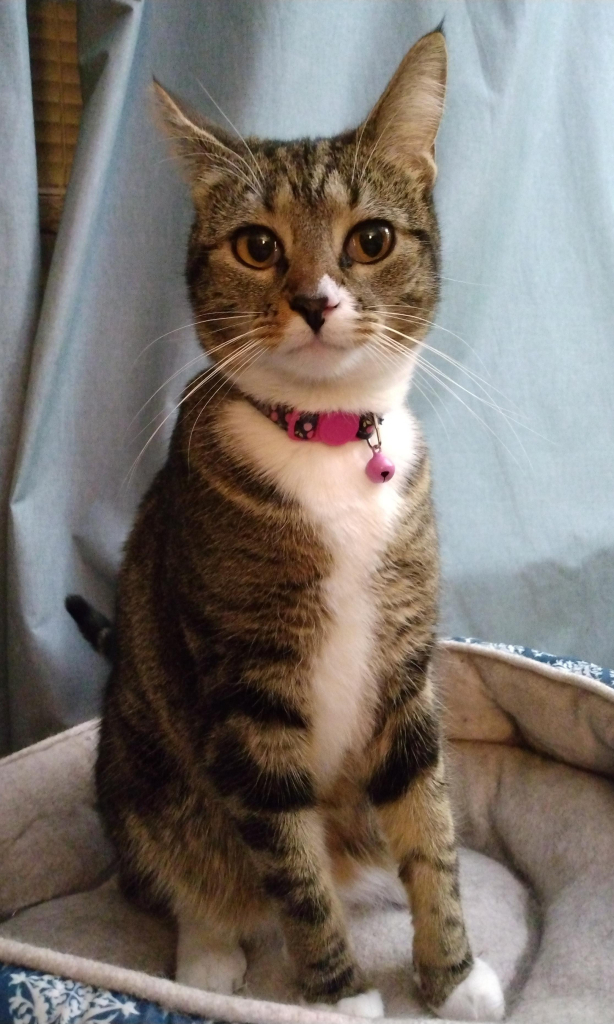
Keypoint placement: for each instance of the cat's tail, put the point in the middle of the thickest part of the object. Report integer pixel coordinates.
(94, 626)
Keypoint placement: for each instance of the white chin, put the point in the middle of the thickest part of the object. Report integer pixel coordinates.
(317, 361)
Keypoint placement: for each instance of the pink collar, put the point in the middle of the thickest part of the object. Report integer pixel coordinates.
(333, 428)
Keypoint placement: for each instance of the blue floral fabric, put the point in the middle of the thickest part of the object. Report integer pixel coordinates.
(29, 997)
(574, 665)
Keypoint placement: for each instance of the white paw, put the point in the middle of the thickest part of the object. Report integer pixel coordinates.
(478, 997)
(213, 970)
(366, 1004)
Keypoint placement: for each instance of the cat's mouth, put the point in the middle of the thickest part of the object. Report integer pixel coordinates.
(316, 343)
(316, 357)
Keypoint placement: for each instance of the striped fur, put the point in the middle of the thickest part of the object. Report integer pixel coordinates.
(245, 766)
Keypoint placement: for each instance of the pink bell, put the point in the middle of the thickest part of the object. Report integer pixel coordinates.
(380, 469)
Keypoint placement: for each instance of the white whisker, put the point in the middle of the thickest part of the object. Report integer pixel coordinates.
(392, 358)
(252, 358)
(423, 320)
(376, 144)
(397, 358)
(508, 415)
(196, 359)
(237, 173)
(415, 384)
(358, 143)
(491, 404)
(203, 379)
(428, 371)
(201, 355)
(440, 378)
(510, 420)
(458, 280)
(195, 323)
(253, 166)
(481, 382)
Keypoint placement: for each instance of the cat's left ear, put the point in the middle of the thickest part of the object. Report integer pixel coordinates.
(404, 122)
(202, 145)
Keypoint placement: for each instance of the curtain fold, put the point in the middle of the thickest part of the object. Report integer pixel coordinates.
(522, 471)
(19, 273)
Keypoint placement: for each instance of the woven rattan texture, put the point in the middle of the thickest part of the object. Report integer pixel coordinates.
(56, 95)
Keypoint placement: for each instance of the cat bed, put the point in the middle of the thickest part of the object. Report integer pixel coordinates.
(531, 757)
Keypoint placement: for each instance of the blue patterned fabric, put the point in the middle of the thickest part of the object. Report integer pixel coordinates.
(29, 997)
(574, 665)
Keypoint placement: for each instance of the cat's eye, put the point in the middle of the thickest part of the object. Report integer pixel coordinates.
(256, 247)
(370, 241)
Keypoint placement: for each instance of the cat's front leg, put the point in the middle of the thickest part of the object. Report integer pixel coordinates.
(407, 786)
(296, 875)
(262, 776)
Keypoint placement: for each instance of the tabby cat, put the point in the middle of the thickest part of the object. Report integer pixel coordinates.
(270, 734)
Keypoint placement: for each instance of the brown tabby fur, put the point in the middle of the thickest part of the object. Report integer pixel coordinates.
(204, 773)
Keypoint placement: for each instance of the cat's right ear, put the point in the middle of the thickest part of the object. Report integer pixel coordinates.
(201, 145)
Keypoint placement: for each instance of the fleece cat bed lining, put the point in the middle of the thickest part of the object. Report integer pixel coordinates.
(531, 752)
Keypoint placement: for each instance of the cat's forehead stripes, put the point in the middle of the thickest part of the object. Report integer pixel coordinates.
(311, 168)
(309, 228)
(328, 188)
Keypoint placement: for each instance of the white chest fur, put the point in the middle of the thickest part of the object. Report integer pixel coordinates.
(355, 519)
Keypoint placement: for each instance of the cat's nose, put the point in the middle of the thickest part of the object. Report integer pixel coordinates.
(311, 309)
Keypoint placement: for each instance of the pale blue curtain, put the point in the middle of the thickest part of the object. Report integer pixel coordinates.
(525, 196)
(19, 275)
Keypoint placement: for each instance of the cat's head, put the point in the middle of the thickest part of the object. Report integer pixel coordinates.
(316, 261)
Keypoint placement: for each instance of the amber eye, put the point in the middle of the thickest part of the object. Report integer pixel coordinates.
(370, 241)
(256, 247)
